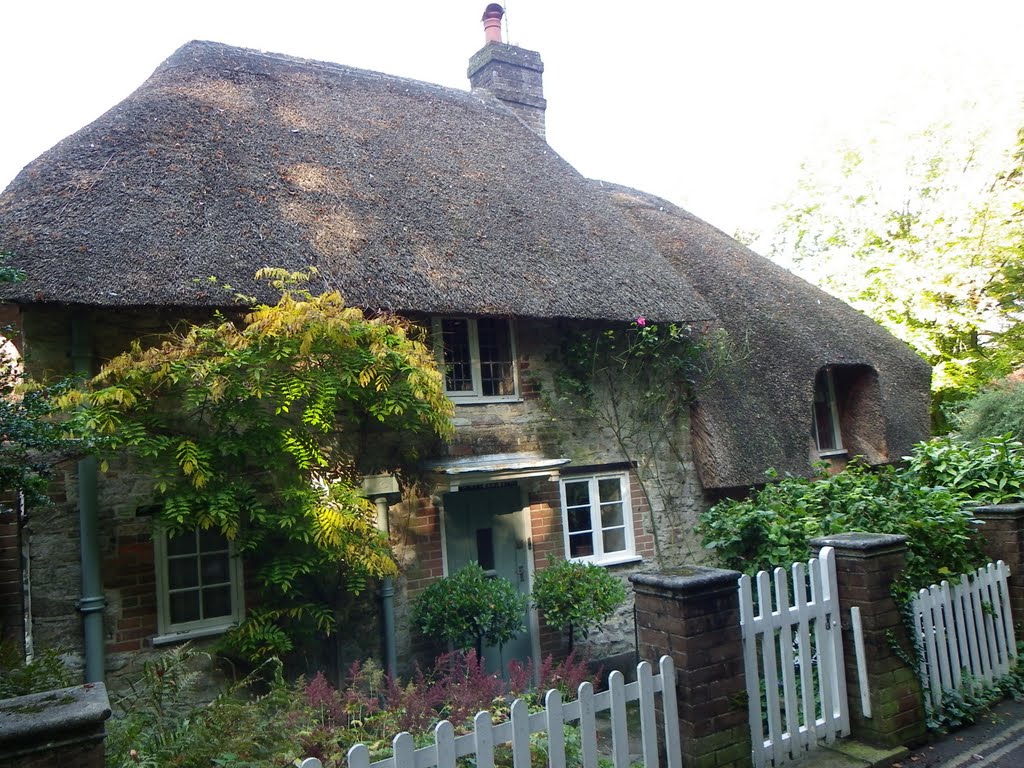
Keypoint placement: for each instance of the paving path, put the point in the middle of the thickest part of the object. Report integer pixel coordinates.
(995, 741)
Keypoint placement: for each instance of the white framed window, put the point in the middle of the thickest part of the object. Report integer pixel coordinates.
(827, 434)
(477, 356)
(199, 584)
(597, 518)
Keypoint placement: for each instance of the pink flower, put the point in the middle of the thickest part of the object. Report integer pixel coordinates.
(641, 321)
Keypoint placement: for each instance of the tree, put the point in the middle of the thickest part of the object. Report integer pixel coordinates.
(469, 609)
(935, 253)
(261, 427)
(575, 596)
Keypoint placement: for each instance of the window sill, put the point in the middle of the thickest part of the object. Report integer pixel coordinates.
(623, 559)
(191, 634)
(484, 400)
(831, 453)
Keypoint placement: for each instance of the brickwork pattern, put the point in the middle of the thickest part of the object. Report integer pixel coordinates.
(695, 620)
(865, 575)
(1003, 538)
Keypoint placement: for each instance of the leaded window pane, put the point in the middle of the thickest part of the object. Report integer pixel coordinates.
(496, 372)
(458, 358)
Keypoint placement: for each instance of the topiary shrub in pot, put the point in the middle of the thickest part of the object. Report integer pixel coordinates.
(576, 597)
(469, 609)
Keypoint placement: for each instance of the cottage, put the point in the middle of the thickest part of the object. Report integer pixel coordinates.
(449, 207)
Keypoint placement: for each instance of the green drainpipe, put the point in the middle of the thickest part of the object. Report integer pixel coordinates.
(387, 601)
(92, 602)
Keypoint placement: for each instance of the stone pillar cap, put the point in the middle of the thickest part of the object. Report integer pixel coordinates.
(861, 542)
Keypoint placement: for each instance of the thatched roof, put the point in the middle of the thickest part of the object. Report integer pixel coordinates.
(756, 414)
(407, 196)
(416, 198)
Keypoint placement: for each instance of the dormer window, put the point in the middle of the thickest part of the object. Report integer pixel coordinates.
(477, 355)
(827, 434)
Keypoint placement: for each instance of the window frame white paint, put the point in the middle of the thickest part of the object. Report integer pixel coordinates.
(600, 557)
(463, 397)
(169, 631)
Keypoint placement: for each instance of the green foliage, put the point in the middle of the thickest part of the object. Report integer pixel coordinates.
(576, 596)
(934, 254)
(637, 383)
(159, 724)
(772, 527)
(9, 274)
(986, 471)
(648, 368)
(261, 427)
(46, 672)
(997, 410)
(470, 609)
(30, 441)
(264, 721)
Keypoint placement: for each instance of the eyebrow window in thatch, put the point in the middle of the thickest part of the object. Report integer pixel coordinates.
(827, 433)
(477, 356)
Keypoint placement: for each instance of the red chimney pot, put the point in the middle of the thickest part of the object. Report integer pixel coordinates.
(492, 23)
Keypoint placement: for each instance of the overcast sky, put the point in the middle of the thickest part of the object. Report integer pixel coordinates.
(713, 105)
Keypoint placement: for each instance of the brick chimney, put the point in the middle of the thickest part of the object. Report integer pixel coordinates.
(512, 74)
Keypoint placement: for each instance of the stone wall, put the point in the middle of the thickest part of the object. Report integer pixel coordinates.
(666, 497)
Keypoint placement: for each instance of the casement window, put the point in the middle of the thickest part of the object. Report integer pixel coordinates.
(477, 355)
(199, 584)
(597, 518)
(827, 434)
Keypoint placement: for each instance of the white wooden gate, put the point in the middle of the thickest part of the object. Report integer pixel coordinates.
(966, 632)
(447, 747)
(793, 657)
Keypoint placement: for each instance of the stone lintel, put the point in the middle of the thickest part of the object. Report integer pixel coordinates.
(861, 545)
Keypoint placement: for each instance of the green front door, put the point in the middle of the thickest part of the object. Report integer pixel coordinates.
(487, 525)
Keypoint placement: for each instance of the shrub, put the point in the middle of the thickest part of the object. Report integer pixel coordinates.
(772, 527)
(576, 596)
(985, 471)
(998, 410)
(158, 725)
(45, 672)
(468, 609)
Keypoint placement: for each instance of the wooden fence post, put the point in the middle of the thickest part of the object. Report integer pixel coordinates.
(866, 565)
(693, 616)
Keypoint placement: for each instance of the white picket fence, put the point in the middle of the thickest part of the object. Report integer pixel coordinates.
(793, 657)
(447, 747)
(963, 628)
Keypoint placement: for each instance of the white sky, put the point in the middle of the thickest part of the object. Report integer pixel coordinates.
(712, 104)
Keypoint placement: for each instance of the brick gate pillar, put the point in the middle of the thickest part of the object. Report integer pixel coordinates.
(866, 566)
(693, 615)
(1003, 535)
